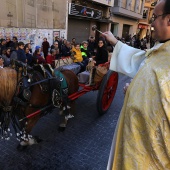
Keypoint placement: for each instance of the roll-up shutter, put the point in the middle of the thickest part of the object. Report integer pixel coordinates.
(79, 29)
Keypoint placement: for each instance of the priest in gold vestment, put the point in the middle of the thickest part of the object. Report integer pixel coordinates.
(142, 136)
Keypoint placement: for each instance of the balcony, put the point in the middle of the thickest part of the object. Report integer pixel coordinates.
(109, 3)
(116, 10)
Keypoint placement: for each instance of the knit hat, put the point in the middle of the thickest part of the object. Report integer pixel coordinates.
(37, 47)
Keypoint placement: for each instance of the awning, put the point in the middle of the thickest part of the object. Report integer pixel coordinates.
(143, 25)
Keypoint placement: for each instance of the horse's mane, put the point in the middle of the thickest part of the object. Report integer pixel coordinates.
(8, 83)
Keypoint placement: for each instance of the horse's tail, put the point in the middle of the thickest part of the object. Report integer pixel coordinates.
(8, 83)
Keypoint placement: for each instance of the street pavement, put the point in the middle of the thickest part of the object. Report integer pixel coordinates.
(84, 145)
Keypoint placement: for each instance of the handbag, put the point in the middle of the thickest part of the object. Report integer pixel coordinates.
(63, 61)
(99, 74)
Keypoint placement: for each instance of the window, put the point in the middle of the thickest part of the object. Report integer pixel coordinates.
(31, 3)
(44, 2)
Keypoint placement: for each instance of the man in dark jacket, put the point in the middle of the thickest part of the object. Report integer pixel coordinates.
(28, 55)
(66, 49)
(20, 53)
(14, 55)
(91, 45)
(45, 47)
(2, 45)
(9, 43)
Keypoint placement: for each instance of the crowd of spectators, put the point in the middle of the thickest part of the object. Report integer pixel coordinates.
(80, 52)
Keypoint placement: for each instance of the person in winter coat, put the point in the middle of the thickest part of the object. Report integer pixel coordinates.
(91, 45)
(37, 58)
(9, 43)
(29, 47)
(45, 47)
(77, 56)
(6, 57)
(2, 45)
(85, 52)
(28, 55)
(50, 59)
(102, 53)
(14, 49)
(66, 49)
(20, 53)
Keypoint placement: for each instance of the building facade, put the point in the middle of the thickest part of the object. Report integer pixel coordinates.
(125, 16)
(83, 14)
(45, 14)
(144, 26)
(33, 19)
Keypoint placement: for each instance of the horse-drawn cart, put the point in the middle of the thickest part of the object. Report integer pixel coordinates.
(106, 91)
(106, 86)
(28, 101)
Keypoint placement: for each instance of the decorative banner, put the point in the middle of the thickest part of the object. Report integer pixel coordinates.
(8, 32)
(16, 32)
(84, 11)
(22, 34)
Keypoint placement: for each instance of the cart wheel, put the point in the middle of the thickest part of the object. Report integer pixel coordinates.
(107, 91)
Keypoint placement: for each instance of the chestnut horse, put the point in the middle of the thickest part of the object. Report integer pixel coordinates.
(12, 93)
(8, 83)
(40, 99)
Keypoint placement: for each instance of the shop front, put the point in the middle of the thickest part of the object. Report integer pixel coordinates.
(143, 30)
(81, 19)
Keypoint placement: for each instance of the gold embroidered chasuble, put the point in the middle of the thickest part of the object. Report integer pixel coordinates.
(142, 137)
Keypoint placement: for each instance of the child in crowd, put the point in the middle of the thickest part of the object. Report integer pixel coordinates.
(20, 53)
(85, 52)
(77, 56)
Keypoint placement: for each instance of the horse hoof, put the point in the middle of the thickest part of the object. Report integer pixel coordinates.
(21, 147)
(38, 140)
(61, 129)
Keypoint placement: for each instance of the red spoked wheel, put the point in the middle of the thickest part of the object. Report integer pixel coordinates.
(107, 91)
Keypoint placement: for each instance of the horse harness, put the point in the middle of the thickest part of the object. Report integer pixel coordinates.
(27, 77)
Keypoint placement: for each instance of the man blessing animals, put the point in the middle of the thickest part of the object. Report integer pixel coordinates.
(142, 136)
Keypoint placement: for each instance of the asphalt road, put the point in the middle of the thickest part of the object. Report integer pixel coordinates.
(84, 145)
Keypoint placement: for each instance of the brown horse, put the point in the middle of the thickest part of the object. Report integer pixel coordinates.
(40, 99)
(8, 83)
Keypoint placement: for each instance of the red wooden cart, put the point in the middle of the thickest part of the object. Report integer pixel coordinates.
(106, 91)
